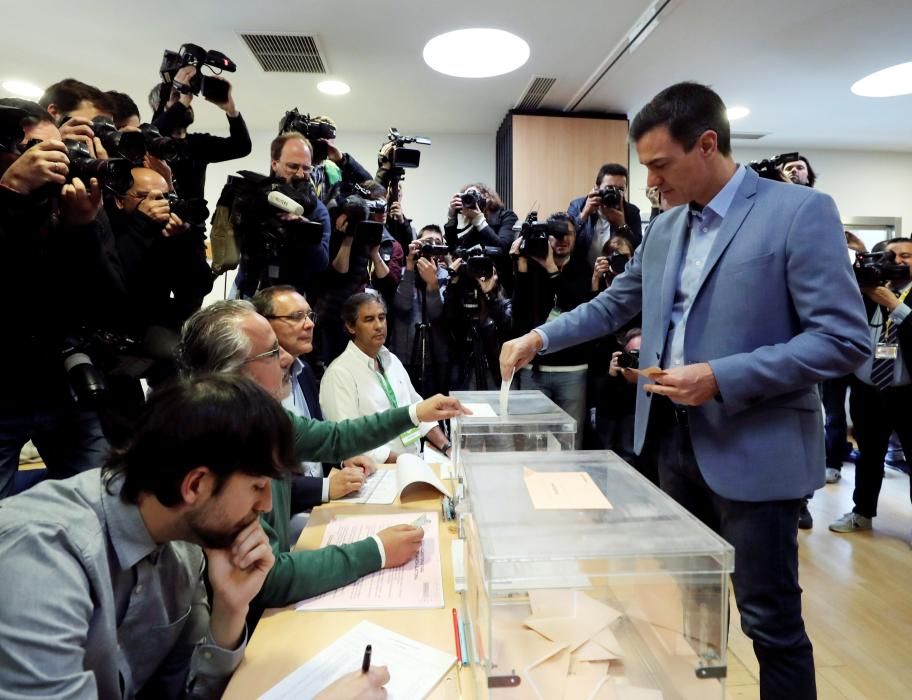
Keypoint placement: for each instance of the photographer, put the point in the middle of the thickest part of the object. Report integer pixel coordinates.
(419, 336)
(477, 216)
(558, 279)
(125, 111)
(882, 386)
(332, 167)
(616, 404)
(364, 255)
(279, 247)
(799, 172)
(55, 249)
(73, 105)
(479, 316)
(605, 212)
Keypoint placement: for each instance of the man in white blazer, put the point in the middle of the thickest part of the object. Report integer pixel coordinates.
(748, 302)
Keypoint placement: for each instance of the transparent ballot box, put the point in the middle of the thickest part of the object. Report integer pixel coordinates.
(532, 423)
(584, 580)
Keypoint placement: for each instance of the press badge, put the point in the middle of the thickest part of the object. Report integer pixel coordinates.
(885, 351)
(410, 436)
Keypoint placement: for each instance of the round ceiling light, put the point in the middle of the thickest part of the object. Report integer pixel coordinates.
(476, 53)
(333, 87)
(737, 113)
(21, 88)
(889, 82)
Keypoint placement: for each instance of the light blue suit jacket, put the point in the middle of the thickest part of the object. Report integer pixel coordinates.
(776, 312)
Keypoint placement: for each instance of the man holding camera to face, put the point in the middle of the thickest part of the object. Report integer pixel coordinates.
(553, 276)
(55, 246)
(420, 338)
(605, 211)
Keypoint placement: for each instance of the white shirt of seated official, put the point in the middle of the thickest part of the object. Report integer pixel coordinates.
(353, 386)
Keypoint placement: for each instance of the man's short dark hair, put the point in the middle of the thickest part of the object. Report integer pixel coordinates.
(615, 169)
(264, 300)
(224, 422)
(433, 228)
(69, 93)
(353, 305)
(562, 217)
(122, 105)
(686, 110)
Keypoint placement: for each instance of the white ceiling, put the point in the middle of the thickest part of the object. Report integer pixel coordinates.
(790, 61)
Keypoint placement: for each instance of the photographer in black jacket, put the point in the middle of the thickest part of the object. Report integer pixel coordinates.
(477, 216)
(59, 271)
(605, 212)
(547, 286)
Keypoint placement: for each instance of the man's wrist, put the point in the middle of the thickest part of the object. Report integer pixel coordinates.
(380, 549)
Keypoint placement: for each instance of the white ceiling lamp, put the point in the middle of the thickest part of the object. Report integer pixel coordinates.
(737, 112)
(889, 82)
(333, 87)
(476, 53)
(22, 88)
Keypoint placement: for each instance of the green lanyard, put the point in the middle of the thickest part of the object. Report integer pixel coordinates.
(387, 389)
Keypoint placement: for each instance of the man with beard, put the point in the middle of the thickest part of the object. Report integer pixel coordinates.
(103, 593)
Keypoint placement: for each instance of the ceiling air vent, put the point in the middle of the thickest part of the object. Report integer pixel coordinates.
(535, 93)
(285, 53)
(748, 135)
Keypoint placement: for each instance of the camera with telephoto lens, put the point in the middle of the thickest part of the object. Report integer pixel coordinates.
(479, 260)
(134, 145)
(771, 168)
(86, 355)
(191, 211)
(196, 56)
(629, 360)
(429, 251)
(876, 269)
(478, 264)
(312, 130)
(113, 174)
(611, 197)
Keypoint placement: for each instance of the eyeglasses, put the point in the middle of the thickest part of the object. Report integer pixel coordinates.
(272, 353)
(297, 316)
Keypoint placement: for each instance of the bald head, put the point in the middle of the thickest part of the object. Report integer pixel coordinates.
(145, 182)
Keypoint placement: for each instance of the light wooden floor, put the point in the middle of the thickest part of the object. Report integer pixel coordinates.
(857, 600)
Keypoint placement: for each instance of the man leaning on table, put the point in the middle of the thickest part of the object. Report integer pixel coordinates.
(748, 303)
(230, 336)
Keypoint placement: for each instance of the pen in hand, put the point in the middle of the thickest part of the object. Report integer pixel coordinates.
(366, 663)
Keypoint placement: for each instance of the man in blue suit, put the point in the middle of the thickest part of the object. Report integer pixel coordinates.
(748, 303)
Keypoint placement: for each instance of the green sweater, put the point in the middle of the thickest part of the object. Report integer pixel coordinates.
(299, 575)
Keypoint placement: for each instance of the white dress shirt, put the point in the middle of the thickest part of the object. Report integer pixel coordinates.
(351, 388)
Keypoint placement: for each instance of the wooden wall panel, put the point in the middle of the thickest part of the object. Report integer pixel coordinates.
(555, 159)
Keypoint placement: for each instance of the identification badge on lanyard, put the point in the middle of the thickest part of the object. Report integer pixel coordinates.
(410, 436)
(886, 351)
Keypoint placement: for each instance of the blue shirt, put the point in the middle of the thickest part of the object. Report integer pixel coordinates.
(704, 227)
(297, 404)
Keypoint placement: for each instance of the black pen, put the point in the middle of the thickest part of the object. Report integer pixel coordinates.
(366, 664)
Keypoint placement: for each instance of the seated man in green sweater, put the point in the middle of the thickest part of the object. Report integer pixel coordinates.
(229, 336)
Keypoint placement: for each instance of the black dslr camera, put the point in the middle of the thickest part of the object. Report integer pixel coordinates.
(314, 131)
(431, 250)
(479, 260)
(535, 233)
(193, 55)
(612, 197)
(358, 208)
(134, 145)
(876, 269)
(191, 211)
(629, 360)
(771, 168)
(113, 174)
(473, 199)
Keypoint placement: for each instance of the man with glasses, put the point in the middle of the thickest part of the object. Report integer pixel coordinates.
(230, 336)
(596, 221)
(293, 321)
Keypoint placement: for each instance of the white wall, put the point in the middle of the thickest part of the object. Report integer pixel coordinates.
(447, 164)
(863, 183)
